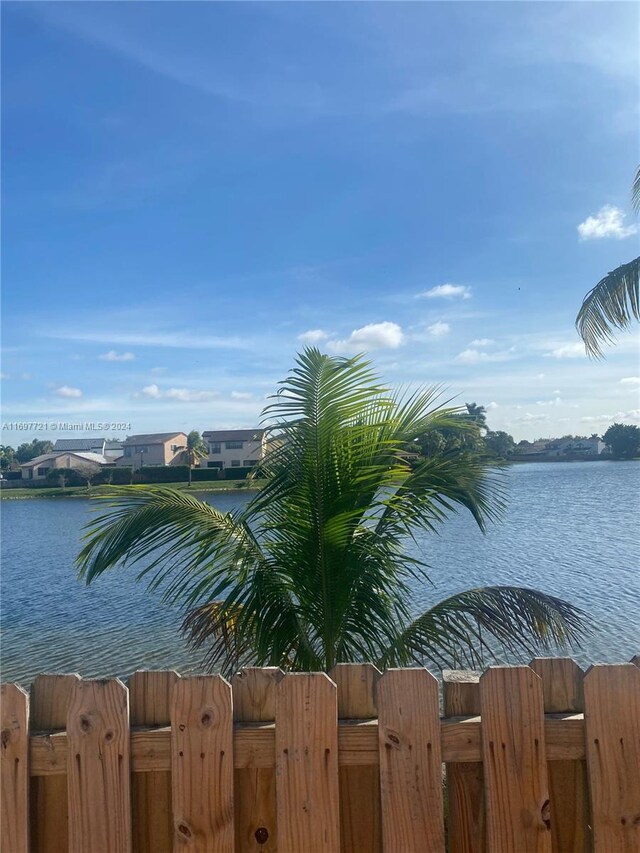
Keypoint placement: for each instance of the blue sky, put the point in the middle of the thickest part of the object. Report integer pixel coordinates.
(194, 190)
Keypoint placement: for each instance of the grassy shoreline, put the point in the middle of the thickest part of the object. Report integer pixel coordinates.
(83, 492)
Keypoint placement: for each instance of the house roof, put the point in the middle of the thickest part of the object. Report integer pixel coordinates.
(37, 460)
(151, 438)
(112, 445)
(98, 458)
(233, 434)
(78, 444)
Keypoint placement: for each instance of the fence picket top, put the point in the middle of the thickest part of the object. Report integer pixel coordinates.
(461, 692)
(612, 733)
(410, 761)
(562, 681)
(14, 772)
(356, 683)
(99, 776)
(307, 764)
(50, 696)
(254, 693)
(635, 660)
(150, 694)
(202, 764)
(515, 771)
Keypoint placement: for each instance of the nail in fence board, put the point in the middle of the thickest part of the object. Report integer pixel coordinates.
(360, 824)
(254, 700)
(14, 769)
(562, 691)
(612, 723)
(410, 762)
(465, 782)
(515, 768)
(202, 764)
(98, 770)
(50, 696)
(150, 700)
(307, 764)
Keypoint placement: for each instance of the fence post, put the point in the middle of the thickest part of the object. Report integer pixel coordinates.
(150, 699)
(465, 783)
(14, 772)
(360, 826)
(254, 700)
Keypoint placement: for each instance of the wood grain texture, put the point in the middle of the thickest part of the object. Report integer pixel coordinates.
(515, 769)
(465, 781)
(202, 764)
(254, 700)
(410, 762)
(14, 769)
(360, 810)
(50, 696)
(307, 793)
(152, 822)
(563, 691)
(99, 768)
(612, 723)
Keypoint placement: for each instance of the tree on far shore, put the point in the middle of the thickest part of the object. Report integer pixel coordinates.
(28, 451)
(196, 450)
(624, 440)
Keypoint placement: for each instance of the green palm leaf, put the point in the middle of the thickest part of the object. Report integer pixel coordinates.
(612, 304)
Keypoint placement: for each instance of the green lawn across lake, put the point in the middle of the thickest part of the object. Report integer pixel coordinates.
(83, 492)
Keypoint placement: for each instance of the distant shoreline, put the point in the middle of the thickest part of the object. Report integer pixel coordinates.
(17, 494)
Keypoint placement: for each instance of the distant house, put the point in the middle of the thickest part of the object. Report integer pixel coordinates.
(80, 445)
(576, 447)
(38, 468)
(233, 448)
(161, 448)
(113, 449)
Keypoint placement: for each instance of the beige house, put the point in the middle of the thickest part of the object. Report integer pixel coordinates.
(161, 448)
(38, 468)
(233, 448)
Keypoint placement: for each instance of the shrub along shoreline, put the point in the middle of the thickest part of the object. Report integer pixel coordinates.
(85, 491)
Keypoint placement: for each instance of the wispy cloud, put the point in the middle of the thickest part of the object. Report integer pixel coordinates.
(630, 380)
(446, 291)
(313, 336)
(573, 350)
(475, 356)
(176, 340)
(385, 335)
(241, 395)
(112, 355)
(482, 342)
(608, 222)
(439, 329)
(67, 391)
(184, 395)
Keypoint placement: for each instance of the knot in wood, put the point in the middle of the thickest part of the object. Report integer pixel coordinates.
(261, 835)
(85, 724)
(183, 829)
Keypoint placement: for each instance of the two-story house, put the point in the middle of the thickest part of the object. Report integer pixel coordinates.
(162, 448)
(233, 448)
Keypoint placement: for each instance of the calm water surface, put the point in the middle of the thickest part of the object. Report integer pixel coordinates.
(571, 529)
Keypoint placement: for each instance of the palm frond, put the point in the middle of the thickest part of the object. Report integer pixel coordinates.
(612, 304)
(635, 191)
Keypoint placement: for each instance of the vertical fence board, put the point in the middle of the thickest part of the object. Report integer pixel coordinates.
(98, 769)
(410, 762)
(513, 752)
(562, 691)
(152, 824)
(612, 724)
(465, 783)
(50, 697)
(360, 820)
(14, 769)
(307, 794)
(202, 764)
(254, 700)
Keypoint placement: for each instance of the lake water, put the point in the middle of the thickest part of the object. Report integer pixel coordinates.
(571, 529)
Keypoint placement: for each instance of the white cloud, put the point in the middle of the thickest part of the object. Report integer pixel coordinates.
(555, 402)
(630, 380)
(385, 335)
(439, 329)
(491, 406)
(608, 222)
(575, 350)
(482, 342)
(23, 377)
(184, 395)
(112, 355)
(68, 391)
(528, 417)
(474, 356)
(151, 391)
(313, 336)
(446, 291)
(4, 376)
(241, 395)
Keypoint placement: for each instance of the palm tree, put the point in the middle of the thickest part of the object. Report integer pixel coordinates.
(615, 300)
(196, 449)
(316, 568)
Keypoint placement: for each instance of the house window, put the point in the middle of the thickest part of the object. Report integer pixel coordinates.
(42, 472)
(127, 452)
(214, 447)
(235, 463)
(249, 463)
(217, 465)
(234, 445)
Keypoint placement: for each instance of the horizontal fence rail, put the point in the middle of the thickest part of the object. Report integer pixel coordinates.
(537, 759)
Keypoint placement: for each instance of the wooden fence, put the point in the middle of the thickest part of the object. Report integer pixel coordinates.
(538, 759)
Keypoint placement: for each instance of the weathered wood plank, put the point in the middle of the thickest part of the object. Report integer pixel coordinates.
(202, 764)
(50, 696)
(14, 769)
(562, 692)
(612, 722)
(410, 761)
(98, 773)
(515, 770)
(360, 810)
(307, 764)
(254, 700)
(150, 699)
(465, 781)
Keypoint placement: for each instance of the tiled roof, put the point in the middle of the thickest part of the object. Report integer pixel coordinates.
(151, 438)
(78, 444)
(233, 435)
